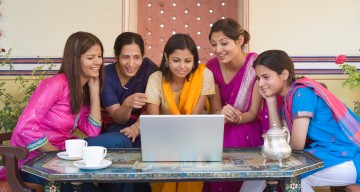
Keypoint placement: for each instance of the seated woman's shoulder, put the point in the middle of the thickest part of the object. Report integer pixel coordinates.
(58, 80)
(110, 66)
(206, 70)
(148, 62)
(213, 61)
(156, 75)
(304, 92)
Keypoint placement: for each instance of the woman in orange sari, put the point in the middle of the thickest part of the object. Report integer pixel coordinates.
(180, 87)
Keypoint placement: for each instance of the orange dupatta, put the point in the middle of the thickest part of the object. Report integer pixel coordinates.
(189, 95)
(188, 99)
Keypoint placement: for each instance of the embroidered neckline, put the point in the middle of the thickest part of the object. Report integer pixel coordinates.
(75, 124)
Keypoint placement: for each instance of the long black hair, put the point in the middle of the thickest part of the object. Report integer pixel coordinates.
(178, 42)
(77, 44)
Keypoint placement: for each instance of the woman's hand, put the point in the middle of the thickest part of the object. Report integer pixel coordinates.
(94, 85)
(269, 99)
(232, 115)
(94, 89)
(136, 100)
(131, 132)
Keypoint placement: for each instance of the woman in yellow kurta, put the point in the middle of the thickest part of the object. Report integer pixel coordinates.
(180, 87)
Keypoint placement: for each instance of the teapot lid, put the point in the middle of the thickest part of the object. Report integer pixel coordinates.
(275, 130)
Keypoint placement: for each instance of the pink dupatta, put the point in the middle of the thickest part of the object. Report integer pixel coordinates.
(243, 98)
(238, 91)
(349, 125)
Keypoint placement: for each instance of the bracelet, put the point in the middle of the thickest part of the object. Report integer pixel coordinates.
(94, 121)
(239, 120)
(136, 127)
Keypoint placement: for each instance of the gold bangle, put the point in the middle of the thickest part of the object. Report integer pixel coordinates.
(136, 127)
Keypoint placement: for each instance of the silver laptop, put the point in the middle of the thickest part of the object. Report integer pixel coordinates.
(182, 137)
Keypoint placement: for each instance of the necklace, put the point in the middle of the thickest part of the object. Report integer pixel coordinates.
(117, 69)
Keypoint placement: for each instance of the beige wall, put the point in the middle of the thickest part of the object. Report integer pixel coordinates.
(41, 27)
(305, 27)
(301, 27)
(309, 28)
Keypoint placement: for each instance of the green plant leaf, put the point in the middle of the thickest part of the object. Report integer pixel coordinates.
(13, 106)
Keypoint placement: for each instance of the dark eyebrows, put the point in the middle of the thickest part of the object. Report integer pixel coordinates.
(131, 55)
(189, 58)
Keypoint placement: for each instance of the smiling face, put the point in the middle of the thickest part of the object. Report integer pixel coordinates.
(129, 60)
(180, 63)
(271, 83)
(90, 63)
(225, 48)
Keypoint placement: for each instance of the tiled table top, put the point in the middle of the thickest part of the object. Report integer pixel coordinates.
(236, 164)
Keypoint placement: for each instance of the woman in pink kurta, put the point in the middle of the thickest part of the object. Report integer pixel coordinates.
(64, 102)
(237, 95)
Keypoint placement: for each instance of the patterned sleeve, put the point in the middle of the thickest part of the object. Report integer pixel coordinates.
(87, 124)
(208, 87)
(28, 129)
(153, 88)
(304, 103)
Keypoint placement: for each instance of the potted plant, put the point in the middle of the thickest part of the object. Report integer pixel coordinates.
(12, 104)
(352, 80)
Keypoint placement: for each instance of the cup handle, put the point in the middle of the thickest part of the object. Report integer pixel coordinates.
(105, 152)
(86, 144)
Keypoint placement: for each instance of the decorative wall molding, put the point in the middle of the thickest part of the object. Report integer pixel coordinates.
(125, 15)
(304, 65)
(24, 66)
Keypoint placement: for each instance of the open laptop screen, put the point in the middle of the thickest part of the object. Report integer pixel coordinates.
(182, 137)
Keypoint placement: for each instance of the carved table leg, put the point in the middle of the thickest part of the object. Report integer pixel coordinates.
(76, 186)
(292, 184)
(272, 186)
(52, 186)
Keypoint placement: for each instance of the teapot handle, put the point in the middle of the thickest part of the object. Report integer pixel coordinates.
(287, 134)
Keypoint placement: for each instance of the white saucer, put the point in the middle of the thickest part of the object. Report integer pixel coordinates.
(81, 164)
(64, 155)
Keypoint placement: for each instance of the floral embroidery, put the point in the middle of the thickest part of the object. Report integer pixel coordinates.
(52, 187)
(75, 124)
(293, 186)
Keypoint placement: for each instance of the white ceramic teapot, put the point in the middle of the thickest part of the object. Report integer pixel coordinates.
(276, 144)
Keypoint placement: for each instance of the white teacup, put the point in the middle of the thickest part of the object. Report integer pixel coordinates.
(74, 147)
(93, 155)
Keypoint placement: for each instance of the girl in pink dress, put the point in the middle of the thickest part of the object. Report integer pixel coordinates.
(237, 95)
(63, 102)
